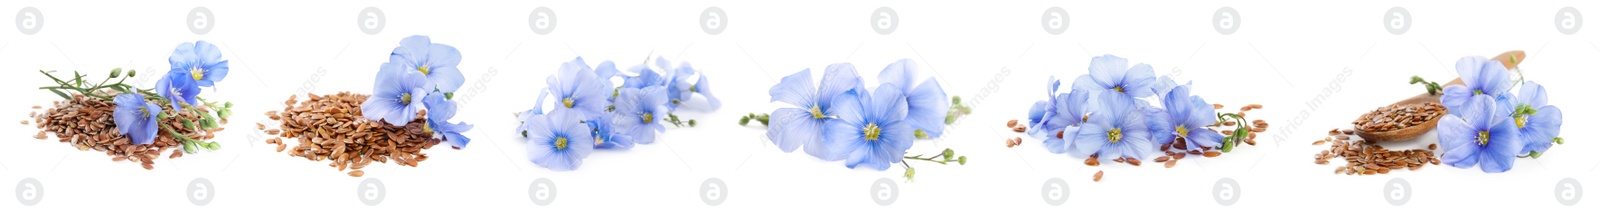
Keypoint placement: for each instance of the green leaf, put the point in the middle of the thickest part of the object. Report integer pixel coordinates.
(63, 95)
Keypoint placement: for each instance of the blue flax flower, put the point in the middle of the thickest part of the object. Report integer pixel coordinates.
(927, 102)
(703, 87)
(1186, 117)
(1040, 114)
(870, 130)
(1479, 135)
(178, 87)
(1112, 73)
(1114, 130)
(608, 135)
(201, 61)
(136, 118)
(436, 61)
(1543, 125)
(576, 88)
(439, 113)
(641, 112)
(793, 127)
(1482, 77)
(558, 141)
(1067, 120)
(397, 96)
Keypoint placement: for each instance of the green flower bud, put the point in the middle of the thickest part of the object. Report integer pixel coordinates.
(115, 72)
(949, 153)
(911, 173)
(132, 72)
(962, 160)
(744, 120)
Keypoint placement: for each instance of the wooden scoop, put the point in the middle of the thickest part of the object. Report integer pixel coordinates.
(1509, 59)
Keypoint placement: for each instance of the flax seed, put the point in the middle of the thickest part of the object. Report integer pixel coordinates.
(1098, 175)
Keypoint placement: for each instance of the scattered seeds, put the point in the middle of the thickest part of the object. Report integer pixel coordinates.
(1012, 123)
(357, 173)
(331, 128)
(1098, 175)
(1019, 129)
(1363, 158)
(1212, 154)
(1163, 159)
(87, 124)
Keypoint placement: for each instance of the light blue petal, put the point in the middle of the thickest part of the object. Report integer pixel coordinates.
(1138, 80)
(1454, 97)
(1107, 70)
(1504, 144)
(796, 89)
(183, 57)
(1459, 141)
(150, 123)
(850, 107)
(703, 87)
(839, 78)
(793, 127)
(887, 104)
(1541, 128)
(900, 73)
(1201, 137)
(1533, 95)
(126, 114)
(1087, 84)
(1470, 70)
(1091, 138)
(843, 141)
(1061, 145)
(447, 79)
(928, 106)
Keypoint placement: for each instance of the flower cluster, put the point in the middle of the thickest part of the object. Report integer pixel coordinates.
(421, 76)
(1110, 114)
(1489, 126)
(842, 119)
(586, 117)
(139, 112)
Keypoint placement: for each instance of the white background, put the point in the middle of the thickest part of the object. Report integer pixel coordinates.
(1283, 55)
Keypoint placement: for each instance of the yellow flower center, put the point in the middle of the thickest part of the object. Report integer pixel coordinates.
(423, 69)
(1483, 138)
(567, 102)
(1115, 135)
(561, 143)
(871, 131)
(1522, 121)
(1118, 88)
(647, 117)
(1477, 92)
(405, 98)
(816, 111)
(695, 88)
(197, 73)
(1183, 131)
(598, 141)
